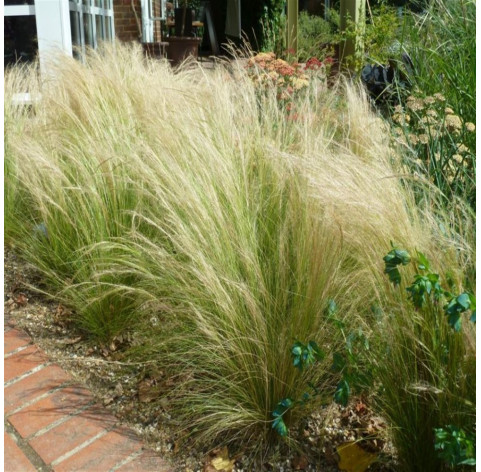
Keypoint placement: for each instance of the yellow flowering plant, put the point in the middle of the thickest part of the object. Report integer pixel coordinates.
(443, 144)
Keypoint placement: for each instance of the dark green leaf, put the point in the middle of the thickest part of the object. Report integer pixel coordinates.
(341, 394)
(393, 274)
(338, 362)
(280, 427)
(464, 301)
(317, 352)
(297, 349)
(286, 402)
(454, 320)
(392, 260)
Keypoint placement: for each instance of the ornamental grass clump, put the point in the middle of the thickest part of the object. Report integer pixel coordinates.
(426, 366)
(185, 211)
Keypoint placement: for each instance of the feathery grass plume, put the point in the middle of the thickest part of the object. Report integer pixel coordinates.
(21, 90)
(192, 209)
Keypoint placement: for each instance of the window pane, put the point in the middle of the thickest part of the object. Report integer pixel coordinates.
(108, 29)
(20, 35)
(99, 28)
(75, 29)
(19, 2)
(89, 40)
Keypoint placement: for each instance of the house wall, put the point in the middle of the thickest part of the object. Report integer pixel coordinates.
(127, 26)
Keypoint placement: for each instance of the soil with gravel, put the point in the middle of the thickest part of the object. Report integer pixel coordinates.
(131, 392)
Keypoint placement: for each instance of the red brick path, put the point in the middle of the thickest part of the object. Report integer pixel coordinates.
(53, 424)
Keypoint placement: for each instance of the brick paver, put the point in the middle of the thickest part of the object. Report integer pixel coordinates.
(13, 340)
(14, 459)
(103, 454)
(55, 425)
(23, 362)
(33, 386)
(69, 435)
(54, 407)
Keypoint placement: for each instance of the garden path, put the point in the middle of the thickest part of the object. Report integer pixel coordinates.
(52, 423)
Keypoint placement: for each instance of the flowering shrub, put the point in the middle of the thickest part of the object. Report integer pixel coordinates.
(444, 144)
(289, 79)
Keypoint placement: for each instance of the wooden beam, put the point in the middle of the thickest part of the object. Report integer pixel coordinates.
(352, 11)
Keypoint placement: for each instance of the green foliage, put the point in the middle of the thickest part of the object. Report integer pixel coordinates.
(262, 21)
(274, 31)
(391, 260)
(315, 36)
(354, 366)
(278, 424)
(382, 32)
(379, 36)
(457, 306)
(439, 143)
(441, 132)
(341, 395)
(426, 370)
(352, 363)
(305, 355)
(455, 447)
(424, 286)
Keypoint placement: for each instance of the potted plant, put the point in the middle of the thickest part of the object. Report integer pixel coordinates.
(184, 43)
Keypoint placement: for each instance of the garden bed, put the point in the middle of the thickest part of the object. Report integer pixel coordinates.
(126, 392)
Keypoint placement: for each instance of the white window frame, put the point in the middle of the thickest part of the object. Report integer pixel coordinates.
(148, 18)
(87, 7)
(52, 18)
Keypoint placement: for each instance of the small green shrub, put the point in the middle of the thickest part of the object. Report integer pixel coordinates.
(455, 447)
(316, 36)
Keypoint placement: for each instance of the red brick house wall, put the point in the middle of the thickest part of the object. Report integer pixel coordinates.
(128, 20)
(126, 26)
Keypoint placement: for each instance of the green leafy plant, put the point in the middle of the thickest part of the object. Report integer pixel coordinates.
(305, 355)
(353, 365)
(427, 368)
(392, 259)
(316, 36)
(454, 446)
(351, 362)
(427, 285)
(458, 305)
(278, 424)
